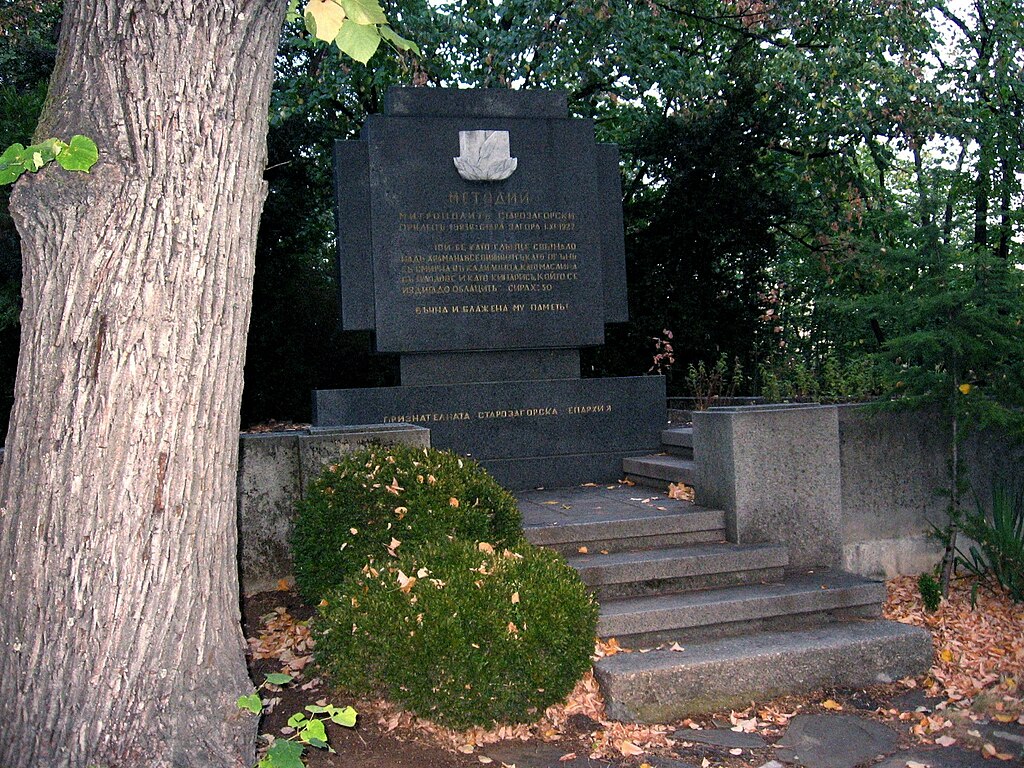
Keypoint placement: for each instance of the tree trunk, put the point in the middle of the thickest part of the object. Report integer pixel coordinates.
(120, 641)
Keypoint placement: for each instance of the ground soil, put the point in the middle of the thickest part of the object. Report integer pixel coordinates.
(373, 745)
(368, 745)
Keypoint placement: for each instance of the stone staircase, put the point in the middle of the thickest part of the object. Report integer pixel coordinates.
(727, 623)
(674, 464)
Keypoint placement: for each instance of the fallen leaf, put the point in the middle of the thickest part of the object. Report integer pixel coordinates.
(676, 647)
(915, 764)
(484, 759)
(945, 741)
(282, 585)
(628, 748)
(453, 502)
(736, 751)
(405, 583)
(583, 550)
(515, 597)
(832, 704)
(567, 757)
(483, 546)
(680, 491)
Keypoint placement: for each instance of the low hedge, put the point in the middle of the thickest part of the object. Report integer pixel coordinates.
(461, 633)
(383, 499)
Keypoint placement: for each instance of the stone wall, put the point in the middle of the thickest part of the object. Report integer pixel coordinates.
(842, 486)
(274, 469)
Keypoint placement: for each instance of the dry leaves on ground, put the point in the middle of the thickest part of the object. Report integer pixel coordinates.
(681, 492)
(979, 649)
(285, 639)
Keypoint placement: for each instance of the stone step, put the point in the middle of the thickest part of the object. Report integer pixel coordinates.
(798, 602)
(662, 686)
(658, 469)
(678, 441)
(630, 529)
(679, 569)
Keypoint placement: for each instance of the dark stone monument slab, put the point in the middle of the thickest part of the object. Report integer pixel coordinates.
(480, 237)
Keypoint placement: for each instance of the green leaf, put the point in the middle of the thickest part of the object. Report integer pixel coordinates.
(387, 33)
(314, 729)
(296, 720)
(324, 19)
(357, 41)
(81, 154)
(316, 709)
(292, 14)
(12, 154)
(285, 754)
(364, 11)
(345, 717)
(12, 163)
(318, 743)
(251, 702)
(279, 678)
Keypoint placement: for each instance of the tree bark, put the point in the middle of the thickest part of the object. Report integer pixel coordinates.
(120, 640)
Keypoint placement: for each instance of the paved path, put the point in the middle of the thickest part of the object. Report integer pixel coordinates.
(833, 740)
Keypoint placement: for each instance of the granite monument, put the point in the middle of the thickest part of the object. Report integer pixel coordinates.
(480, 238)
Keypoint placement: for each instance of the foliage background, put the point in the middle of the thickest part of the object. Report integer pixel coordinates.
(806, 184)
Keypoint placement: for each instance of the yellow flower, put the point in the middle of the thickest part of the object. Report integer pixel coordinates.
(965, 388)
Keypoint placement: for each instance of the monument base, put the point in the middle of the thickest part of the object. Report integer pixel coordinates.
(526, 433)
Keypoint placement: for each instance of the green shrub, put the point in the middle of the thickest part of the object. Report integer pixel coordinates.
(379, 495)
(931, 592)
(997, 554)
(461, 636)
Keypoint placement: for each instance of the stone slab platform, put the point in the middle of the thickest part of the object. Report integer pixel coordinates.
(662, 686)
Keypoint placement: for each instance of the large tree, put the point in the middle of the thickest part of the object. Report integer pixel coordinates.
(120, 641)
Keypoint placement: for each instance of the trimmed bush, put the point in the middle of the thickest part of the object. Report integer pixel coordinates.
(383, 499)
(461, 636)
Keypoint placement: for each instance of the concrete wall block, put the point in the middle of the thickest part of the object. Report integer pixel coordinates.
(842, 485)
(324, 446)
(715, 471)
(785, 486)
(895, 473)
(273, 472)
(268, 485)
(886, 558)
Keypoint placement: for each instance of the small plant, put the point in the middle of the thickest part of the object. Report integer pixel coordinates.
(708, 384)
(996, 555)
(827, 381)
(390, 499)
(309, 726)
(460, 633)
(664, 356)
(931, 592)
